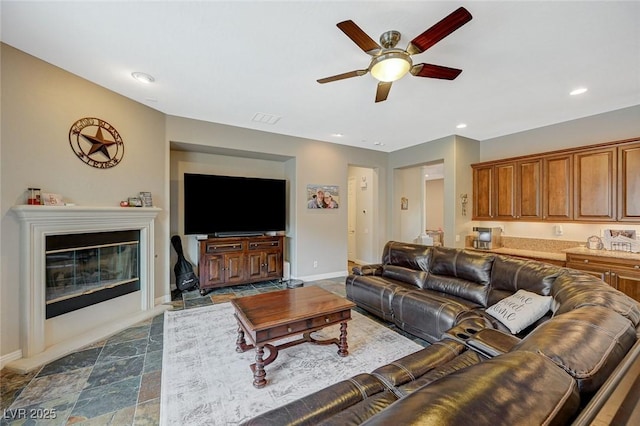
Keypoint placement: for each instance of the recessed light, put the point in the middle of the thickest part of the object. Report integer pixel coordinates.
(337, 135)
(143, 77)
(461, 126)
(378, 143)
(578, 91)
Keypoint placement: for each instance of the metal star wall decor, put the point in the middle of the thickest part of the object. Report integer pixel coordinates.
(92, 147)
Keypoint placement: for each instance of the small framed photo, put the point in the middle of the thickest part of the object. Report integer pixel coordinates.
(323, 196)
(52, 199)
(135, 202)
(404, 203)
(147, 201)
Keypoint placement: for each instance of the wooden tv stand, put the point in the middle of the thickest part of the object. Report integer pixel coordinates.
(229, 261)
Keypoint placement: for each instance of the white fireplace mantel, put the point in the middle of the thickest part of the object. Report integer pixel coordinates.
(36, 223)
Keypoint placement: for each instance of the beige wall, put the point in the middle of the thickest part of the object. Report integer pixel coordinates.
(39, 104)
(312, 235)
(457, 153)
(433, 204)
(611, 126)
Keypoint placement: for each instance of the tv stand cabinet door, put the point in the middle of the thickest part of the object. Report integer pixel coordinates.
(212, 270)
(234, 268)
(273, 264)
(265, 258)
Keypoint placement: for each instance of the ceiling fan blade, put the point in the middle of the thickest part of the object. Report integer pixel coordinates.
(342, 76)
(435, 71)
(383, 91)
(446, 26)
(359, 37)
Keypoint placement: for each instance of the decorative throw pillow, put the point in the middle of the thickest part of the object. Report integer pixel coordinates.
(520, 310)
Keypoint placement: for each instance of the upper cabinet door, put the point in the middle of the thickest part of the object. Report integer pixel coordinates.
(505, 191)
(557, 202)
(629, 182)
(594, 185)
(482, 193)
(529, 189)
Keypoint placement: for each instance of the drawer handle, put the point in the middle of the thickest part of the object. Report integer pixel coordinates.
(326, 320)
(586, 261)
(289, 329)
(636, 267)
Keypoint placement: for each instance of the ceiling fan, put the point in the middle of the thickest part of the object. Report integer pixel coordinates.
(389, 63)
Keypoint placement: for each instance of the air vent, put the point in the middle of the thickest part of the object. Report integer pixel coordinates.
(262, 117)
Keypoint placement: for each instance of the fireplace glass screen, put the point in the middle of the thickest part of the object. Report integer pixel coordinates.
(84, 269)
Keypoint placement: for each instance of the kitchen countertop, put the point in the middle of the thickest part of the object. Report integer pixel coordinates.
(603, 253)
(530, 253)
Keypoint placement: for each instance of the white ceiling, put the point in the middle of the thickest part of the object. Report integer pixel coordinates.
(225, 61)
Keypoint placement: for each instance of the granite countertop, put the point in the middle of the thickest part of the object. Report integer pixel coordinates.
(562, 257)
(603, 253)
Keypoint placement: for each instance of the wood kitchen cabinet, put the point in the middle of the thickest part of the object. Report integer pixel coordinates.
(529, 189)
(620, 273)
(483, 193)
(595, 184)
(508, 191)
(232, 261)
(505, 191)
(629, 182)
(557, 188)
(598, 183)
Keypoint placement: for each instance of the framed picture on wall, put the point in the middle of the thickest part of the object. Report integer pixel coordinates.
(404, 203)
(323, 196)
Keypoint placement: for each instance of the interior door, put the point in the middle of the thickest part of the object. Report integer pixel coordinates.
(351, 219)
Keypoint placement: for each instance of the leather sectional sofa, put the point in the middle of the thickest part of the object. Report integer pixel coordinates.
(581, 347)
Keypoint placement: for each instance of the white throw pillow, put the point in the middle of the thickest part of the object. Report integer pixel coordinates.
(520, 310)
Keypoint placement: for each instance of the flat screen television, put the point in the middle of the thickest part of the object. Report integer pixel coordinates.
(233, 205)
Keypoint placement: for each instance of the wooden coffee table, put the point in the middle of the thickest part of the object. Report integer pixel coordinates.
(268, 317)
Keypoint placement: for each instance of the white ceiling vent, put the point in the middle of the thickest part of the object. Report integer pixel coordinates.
(262, 117)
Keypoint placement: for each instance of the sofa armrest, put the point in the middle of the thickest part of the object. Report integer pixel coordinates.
(491, 342)
(373, 269)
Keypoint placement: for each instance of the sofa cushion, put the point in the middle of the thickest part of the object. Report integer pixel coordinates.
(520, 310)
(510, 274)
(372, 293)
(458, 287)
(511, 389)
(412, 256)
(465, 264)
(574, 289)
(412, 366)
(322, 405)
(588, 343)
(425, 313)
(409, 276)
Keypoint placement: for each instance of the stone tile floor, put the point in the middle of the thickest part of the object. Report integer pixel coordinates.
(115, 381)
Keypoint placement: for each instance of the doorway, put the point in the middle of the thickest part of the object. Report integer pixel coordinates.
(361, 215)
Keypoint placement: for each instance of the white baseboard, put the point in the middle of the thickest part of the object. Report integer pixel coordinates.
(162, 300)
(322, 276)
(6, 359)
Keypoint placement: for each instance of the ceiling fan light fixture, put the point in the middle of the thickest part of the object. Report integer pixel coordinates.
(390, 66)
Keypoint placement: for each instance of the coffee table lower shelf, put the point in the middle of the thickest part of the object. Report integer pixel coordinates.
(259, 374)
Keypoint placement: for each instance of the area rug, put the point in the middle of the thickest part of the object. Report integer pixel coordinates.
(206, 382)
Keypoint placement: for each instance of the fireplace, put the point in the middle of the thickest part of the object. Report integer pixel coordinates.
(98, 261)
(89, 268)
